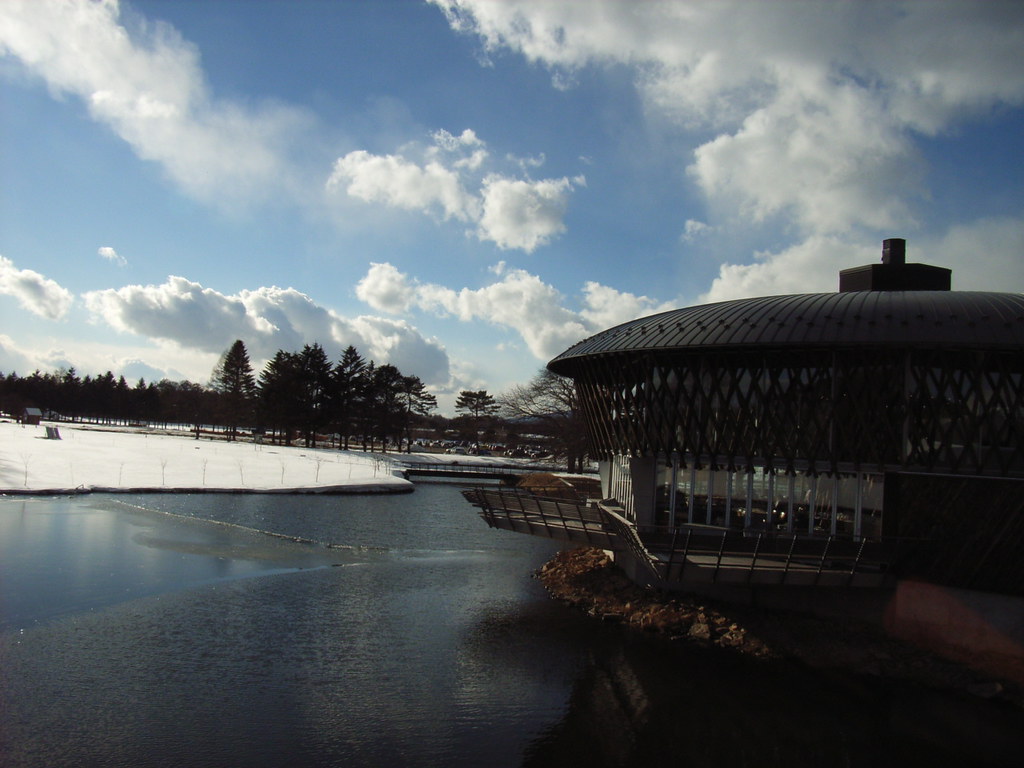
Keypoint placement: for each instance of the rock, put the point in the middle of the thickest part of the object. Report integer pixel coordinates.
(700, 631)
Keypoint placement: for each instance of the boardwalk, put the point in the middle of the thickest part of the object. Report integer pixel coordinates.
(691, 554)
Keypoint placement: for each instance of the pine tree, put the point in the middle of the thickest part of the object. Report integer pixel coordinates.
(317, 391)
(233, 380)
(280, 393)
(477, 406)
(349, 391)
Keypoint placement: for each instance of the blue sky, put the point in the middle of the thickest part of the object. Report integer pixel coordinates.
(466, 188)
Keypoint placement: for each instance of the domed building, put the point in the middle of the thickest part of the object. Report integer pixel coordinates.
(839, 439)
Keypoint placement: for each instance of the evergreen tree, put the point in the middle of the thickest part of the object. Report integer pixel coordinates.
(386, 403)
(280, 393)
(349, 391)
(477, 406)
(233, 380)
(316, 391)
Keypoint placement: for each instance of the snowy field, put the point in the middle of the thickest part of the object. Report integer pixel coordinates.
(93, 459)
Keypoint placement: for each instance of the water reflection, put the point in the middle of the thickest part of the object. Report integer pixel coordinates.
(178, 631)
(639, 701)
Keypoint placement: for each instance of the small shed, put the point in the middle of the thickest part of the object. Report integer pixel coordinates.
(31, 416)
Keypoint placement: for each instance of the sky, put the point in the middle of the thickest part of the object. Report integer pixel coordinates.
(466, 188)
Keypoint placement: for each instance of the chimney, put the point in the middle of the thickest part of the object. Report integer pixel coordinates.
(894, 274)
(894, 251)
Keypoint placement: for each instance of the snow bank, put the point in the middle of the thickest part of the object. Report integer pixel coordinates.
(85, 459)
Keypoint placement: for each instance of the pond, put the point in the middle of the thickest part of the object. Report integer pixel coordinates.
(213, 630)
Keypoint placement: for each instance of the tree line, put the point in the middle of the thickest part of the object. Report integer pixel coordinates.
(303, 395)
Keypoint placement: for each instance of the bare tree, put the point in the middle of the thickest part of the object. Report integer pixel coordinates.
(549, 403)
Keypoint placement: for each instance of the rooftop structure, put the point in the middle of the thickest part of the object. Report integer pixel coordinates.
(817, 439)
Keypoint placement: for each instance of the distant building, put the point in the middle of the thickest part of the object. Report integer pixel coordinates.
(31, 416)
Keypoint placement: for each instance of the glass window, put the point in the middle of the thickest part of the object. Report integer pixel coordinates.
(846, 505)
(871, 506)
(760, 498)
(785, 502)
(803, 502)
(701, 510)
(823, 498)
(663, 495)
(735, 497)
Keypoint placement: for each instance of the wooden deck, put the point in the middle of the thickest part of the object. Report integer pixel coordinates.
(692, 554)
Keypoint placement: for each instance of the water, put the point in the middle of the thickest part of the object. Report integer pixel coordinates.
(397, 630)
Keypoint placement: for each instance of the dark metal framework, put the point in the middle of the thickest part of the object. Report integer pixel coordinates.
(929, 381)
(861, 409)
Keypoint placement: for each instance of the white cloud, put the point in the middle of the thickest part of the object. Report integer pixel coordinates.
(386, 289)
(112, 256)
(523, 214)
(450, 179)
(811, 266)
(807, 115)
(694, 229)
(14, 359)
(39, 295)
(605, 307)
(397, 182)
(147, 86)
(517, 300)
(985, 255)
(190, 316)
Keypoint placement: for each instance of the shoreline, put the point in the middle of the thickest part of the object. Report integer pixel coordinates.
(588, 580)
(325, 490)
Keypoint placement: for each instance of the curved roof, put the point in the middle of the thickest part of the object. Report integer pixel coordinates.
(972, 319)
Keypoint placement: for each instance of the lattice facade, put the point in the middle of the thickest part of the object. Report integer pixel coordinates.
(808, 410)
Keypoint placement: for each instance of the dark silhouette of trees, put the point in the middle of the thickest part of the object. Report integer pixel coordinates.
(417, 402)
(296, 394)
(315, 391)
(349, 389)
(233, 380)
(280, 395)
(548, 404)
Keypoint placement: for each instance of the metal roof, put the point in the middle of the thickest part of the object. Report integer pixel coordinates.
(930, 319)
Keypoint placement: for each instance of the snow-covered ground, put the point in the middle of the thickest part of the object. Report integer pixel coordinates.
(88, 458)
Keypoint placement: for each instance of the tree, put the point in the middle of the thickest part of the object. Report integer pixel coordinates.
(280, 393)
(349, 390)
(550, 405)
(384, 405)
(317, 391)
(418, 402)
(477, 406)
(233, 380)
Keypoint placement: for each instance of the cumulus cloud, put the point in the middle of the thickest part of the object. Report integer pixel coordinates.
(386, 289)
(518, 300)
(523, 214)
(985, 255)
(147, 86)
(14, 359)
(809, 121)
(112, 256)
(39, 295)
(448, 179)
(811, 266)
(266, 319)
